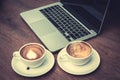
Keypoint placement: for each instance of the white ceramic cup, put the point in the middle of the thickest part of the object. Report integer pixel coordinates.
(83, 58)
(31, 59)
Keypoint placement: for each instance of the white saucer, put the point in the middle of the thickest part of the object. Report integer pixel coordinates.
(79, 70)
(21, 68)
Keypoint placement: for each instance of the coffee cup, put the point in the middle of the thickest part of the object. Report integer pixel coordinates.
(78, 52)
(31, 54)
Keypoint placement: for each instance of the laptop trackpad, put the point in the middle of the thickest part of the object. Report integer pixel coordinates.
(54, 41)
(42, 27)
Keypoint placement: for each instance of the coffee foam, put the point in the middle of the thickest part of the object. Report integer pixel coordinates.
(79, 49)
(32, 52)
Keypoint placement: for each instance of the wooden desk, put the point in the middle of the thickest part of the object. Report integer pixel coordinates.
(14, 33)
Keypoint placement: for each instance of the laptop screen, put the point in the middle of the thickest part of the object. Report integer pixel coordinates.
(89, 12)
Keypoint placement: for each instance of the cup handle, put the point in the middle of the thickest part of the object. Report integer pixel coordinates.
(15, 54)
(64, 58)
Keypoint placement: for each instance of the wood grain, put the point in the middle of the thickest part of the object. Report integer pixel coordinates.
(14, 33)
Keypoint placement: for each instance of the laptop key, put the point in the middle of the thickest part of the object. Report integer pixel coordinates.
(64, 22)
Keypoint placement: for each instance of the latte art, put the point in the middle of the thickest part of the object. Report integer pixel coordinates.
(79, 50)
(32, 52)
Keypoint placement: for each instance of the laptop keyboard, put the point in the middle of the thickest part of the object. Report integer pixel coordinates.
(64, 22)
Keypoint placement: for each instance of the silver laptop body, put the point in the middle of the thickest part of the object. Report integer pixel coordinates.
(48, 33)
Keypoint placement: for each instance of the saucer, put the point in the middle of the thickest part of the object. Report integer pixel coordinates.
(68, 67)
(21, 68)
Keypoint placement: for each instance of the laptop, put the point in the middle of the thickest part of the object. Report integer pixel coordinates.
(59, 23)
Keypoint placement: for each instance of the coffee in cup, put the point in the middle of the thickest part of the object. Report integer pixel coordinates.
(78, 52)
(79, 49)
(31, 54)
